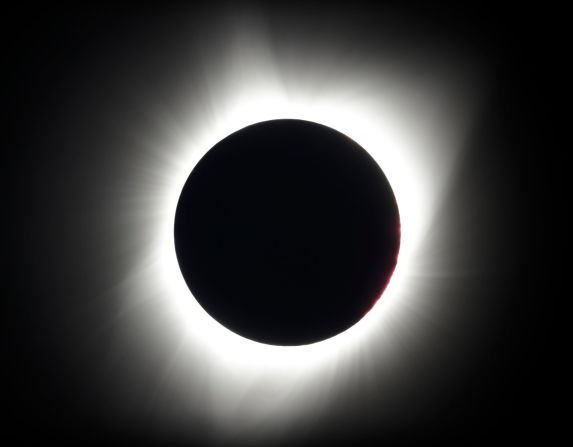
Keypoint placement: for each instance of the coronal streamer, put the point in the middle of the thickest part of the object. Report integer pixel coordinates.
(413, 126)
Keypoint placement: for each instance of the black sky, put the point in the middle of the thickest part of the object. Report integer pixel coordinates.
(55, 155)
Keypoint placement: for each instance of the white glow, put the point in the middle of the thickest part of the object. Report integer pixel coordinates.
(411, 128)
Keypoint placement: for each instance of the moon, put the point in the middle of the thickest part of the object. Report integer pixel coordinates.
(287, 232)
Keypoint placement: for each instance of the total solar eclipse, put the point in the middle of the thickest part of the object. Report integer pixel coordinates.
(287, 232)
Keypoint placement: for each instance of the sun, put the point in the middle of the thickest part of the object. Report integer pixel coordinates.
(384, 145)
(413, 130)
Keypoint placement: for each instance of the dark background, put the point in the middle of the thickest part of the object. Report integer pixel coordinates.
(52, 391)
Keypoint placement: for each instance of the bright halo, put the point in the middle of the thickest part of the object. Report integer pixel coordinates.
(412, 129)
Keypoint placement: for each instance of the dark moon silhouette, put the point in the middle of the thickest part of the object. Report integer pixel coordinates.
(287, 232)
